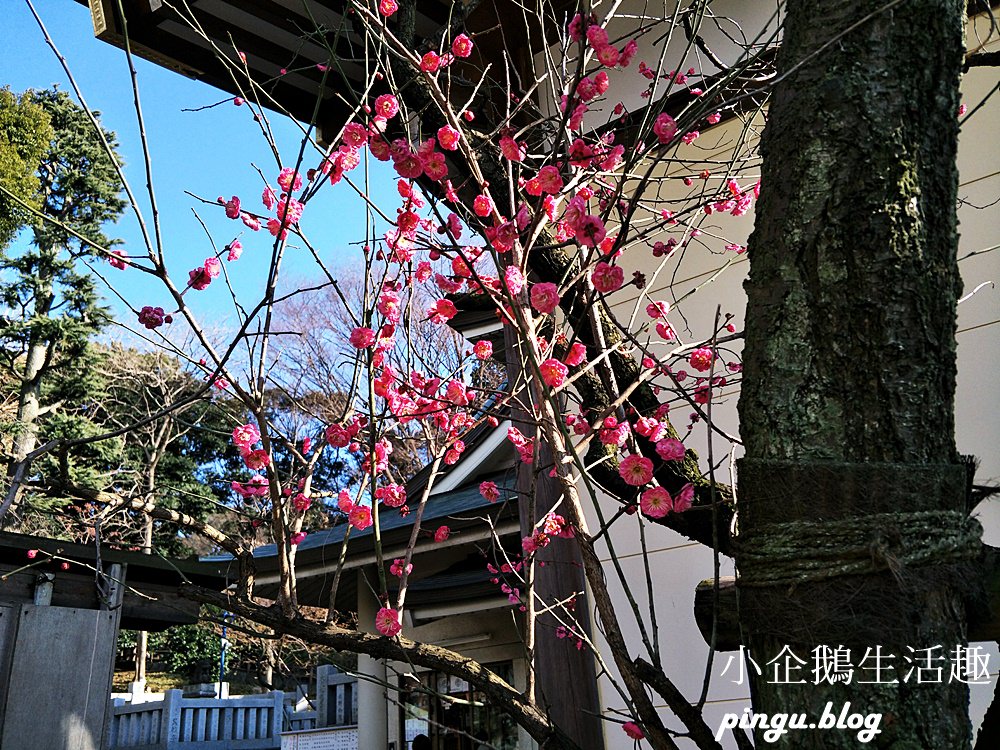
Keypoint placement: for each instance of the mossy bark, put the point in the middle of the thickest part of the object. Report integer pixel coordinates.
(850, 348)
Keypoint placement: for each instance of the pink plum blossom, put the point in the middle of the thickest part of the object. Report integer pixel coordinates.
(246, 435)
(590, 230)
(199, 278)
(576, 355)
(442, 311)
(514, 279)
(609, 56)
(337, 436)
(656, 502)
(483, 350)
(344, 502)
(462, 46)
(391, 495)
(636, 470)
(684, 499)
(362, 337)
(665, 127)
(597, 37)
(448, 137)
(633, 730)
(360, 517)
(289, 179)
(512, 150)
(607, 278)
(386, 106)
(152, 317)
(430, 62)
(701, 359)
(256, 459)
(550, 180)
(397, 568)
(482, 205)
(545, 297)
(387, 622)
(657, 310)
(670, 449)
(553, 372)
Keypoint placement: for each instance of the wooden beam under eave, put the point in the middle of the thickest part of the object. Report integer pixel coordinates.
(145, 605)
(104, 17)
(157, 608)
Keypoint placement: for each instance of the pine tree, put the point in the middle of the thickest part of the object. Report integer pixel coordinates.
(51, 308)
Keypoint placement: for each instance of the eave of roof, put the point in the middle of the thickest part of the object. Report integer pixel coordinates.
(393, 526)
(150, 601)
(141, 567)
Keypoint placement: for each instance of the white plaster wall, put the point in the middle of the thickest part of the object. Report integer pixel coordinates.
(678, 565)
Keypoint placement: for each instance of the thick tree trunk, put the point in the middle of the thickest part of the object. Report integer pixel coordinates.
(35, 365)
(852, 524)
(30, 390)
(159, 448)
(28, 404)
(142, 640)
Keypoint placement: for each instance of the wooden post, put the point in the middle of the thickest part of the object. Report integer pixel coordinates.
(323, 673)
(560, 677)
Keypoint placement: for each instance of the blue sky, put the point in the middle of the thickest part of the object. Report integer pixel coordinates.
(210, 153)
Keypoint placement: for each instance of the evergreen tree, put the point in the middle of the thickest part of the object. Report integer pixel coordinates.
(50, 307)
(25, 134)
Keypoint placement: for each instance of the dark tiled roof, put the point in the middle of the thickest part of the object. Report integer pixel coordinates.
(461, 505)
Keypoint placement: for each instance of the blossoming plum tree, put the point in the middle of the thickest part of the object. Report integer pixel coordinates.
(534, 192)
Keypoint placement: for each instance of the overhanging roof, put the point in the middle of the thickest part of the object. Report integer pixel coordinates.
(471, 519)
(150, 600)
(295, 36)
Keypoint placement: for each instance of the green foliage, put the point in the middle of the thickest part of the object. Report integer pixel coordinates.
(191, 652)
(48, 300)
(175, 457)
(184, 649)
(50, 307)
(172, 460)
(25, 134)
(79, 185)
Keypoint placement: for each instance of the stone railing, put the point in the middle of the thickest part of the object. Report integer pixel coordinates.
(176, 723)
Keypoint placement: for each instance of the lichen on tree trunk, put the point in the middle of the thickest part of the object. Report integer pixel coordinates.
(850, 350)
